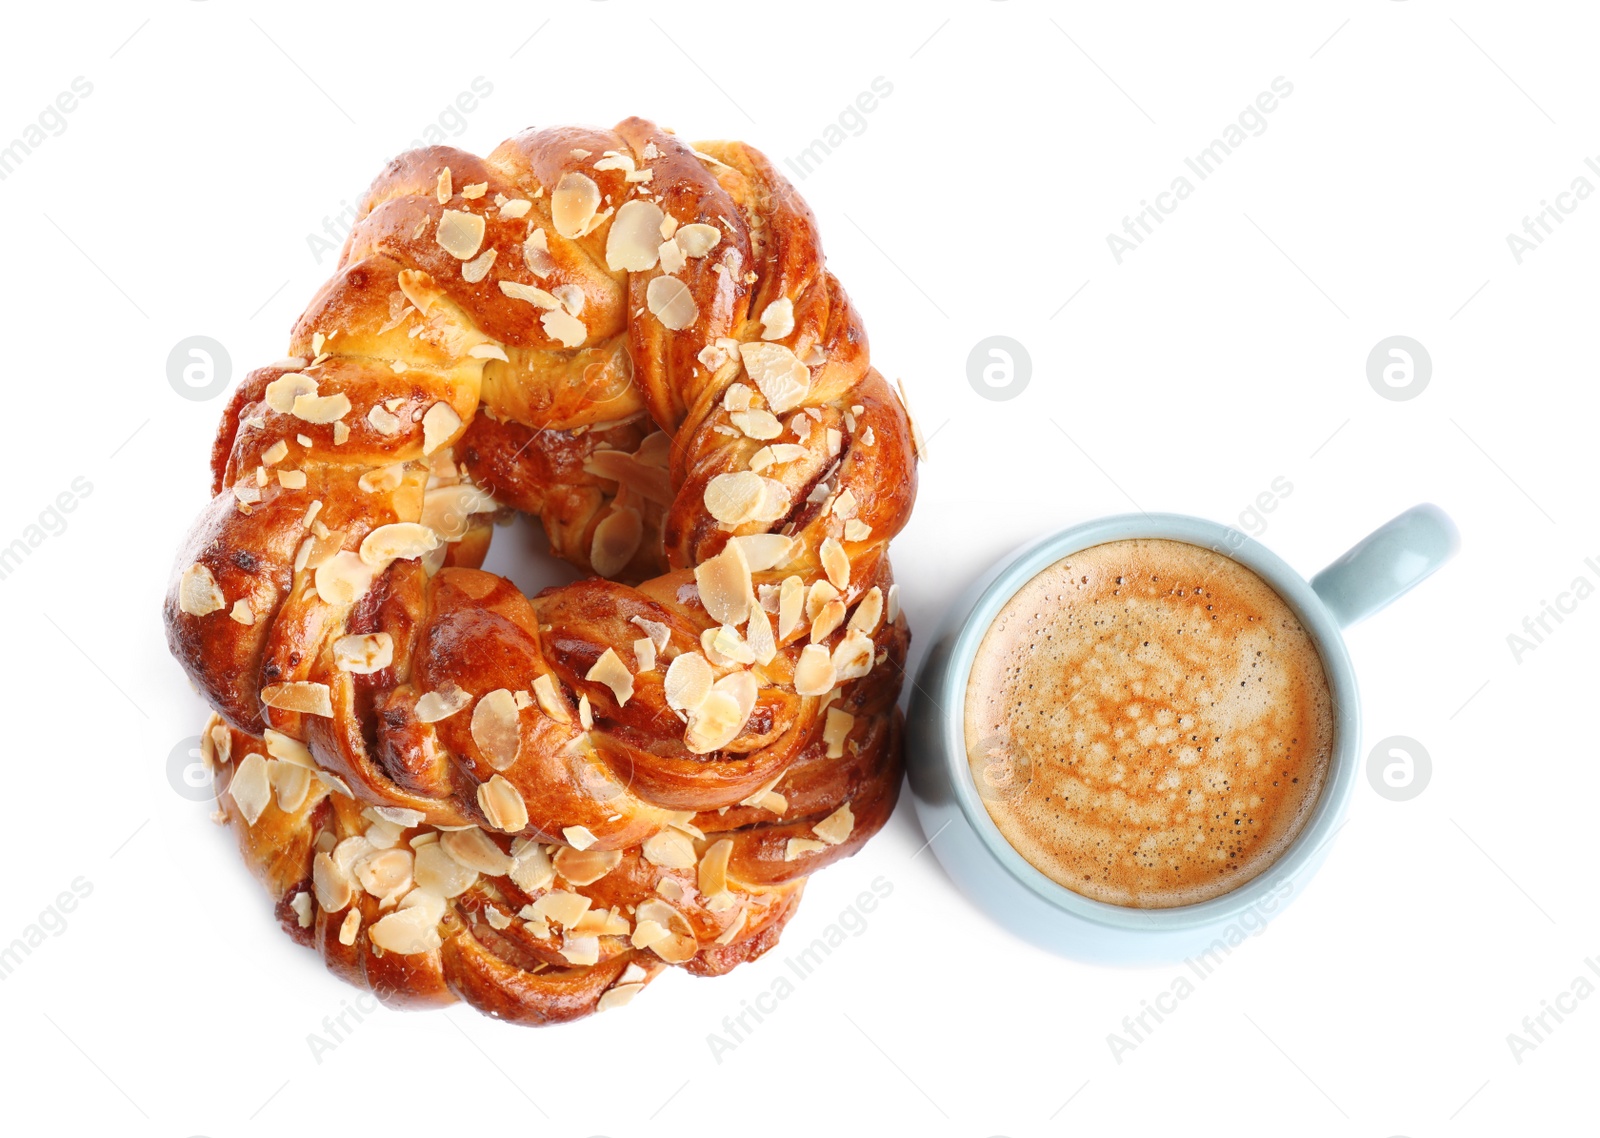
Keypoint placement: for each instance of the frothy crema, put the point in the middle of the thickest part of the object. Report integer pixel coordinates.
(1148, 724)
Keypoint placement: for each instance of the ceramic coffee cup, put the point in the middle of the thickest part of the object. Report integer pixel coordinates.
(1374, 572)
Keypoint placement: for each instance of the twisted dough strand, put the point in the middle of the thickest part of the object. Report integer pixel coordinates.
(534, 805)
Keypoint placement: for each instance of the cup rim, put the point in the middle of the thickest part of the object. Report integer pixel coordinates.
(1327, 814)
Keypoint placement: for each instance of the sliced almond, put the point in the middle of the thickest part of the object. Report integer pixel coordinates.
(476, 269)
(791, 604)
(892, 602)
(291, 783)
(306, 698)
(349, 927)
(777, 319)
(660, 634)
(321, 408)
(343, 578)
(758, 635)
(835, 563)
(573, 204)
(550, 701)
(725, 587)
(406, 932)
(617, 996)
(670, 849)
(855, 530)
(796, 848)
(476, 850)
(688, 682)
(635, 236)
(836, 729)
(251, 788)
(670, 301)
(497, 729)
(440, 425)
(562, 906)
(616, 540)
(644, 654)
(565, 328)
(613, 673)
(579, 837)
(676, 943)
(757, 424)
(585, 867)
(713, 873)
(198, 591)
(869, 610)
(282, 392)
(503, 806)
(698, 239)
(536, 255)
(827, 620)
(784, 381)
(331, 884)
(460, 233)
(398, 541)
(436, 705)
(734, 498)
(531, 869)
(813, 672)
(836, 827)
(852, 656)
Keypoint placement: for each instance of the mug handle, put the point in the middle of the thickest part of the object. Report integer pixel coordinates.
(1387, 563)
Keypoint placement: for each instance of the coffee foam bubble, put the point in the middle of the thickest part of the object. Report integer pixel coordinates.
(1150, 721)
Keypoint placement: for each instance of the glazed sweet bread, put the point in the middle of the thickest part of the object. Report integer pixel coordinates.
(455, 791)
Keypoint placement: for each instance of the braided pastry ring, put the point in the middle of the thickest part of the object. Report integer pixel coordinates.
(535, 805)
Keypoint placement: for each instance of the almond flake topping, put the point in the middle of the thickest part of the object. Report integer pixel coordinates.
(321, 408)
(671, 256)
(644, 654)
(613, 673)
(855, 530)
(564, 328)
(836, 827)
(536, 255)
(474, 849)
(670, 301)
(659, 634)
(533, 294)
(460, 233)
(550, 702)
(688, 682)
(761, 425)
(633, 241)
(800, 847)
(835, 563)
(496, 729)
(893, 600)
(476, 269)
(783, 379)
(616, 540)
(439, 426)
(758, 635)
(436, 705)
(763, 551)
(343, 578)
(724, 582)
(813, 673)
(713, 873)
(250, 789)
(670, 849)
(573, 204)
(579, 837)
(777, 319)
(836, 729)
(585, 867)
(397, 541)
(698, 239)
(198, 592)
(868, 611)
(515, 208)
(442, 189)
(275, 453)
(791, 602)
(502, 805)
(306, 698)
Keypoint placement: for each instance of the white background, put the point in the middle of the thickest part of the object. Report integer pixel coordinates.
(1225, 352)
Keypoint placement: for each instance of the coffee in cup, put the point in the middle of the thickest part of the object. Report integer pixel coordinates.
(1148, 724)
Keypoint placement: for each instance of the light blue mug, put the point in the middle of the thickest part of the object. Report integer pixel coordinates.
(1378, 569)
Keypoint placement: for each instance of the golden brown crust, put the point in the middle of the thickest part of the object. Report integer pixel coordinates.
(454, 791)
